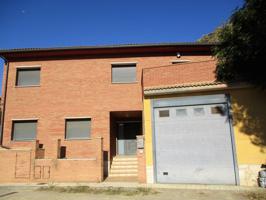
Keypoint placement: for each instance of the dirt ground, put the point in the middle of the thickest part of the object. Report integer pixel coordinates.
(32, 193)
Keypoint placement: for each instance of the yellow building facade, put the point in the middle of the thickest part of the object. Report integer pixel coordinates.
(248, 109)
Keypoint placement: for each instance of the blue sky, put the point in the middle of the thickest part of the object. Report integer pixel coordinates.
(54, 23)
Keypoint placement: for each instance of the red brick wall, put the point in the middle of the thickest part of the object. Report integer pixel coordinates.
(180, 74)
(141, 166)
(20, 165)
(47, 170)
(8, 168)
(75, 88)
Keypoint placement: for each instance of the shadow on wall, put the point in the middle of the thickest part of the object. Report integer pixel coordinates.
(249, 114)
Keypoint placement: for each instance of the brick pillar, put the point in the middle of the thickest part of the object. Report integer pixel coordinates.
(55, 148)
(99, 156)
(33, 156)
(34, 149)
(141, 159)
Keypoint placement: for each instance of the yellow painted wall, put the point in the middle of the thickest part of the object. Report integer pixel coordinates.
(249, 122)
(148, 132)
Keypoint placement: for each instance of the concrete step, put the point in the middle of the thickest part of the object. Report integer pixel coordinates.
(123, 171)
(122, 179)
(124, 167)
(125, 159)
(123, 175)
(125, 156)
(125, 163)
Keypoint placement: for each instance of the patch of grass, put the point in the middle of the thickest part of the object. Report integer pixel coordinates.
(106, 191)
(256, 195)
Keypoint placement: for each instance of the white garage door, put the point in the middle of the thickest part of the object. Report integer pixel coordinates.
(193, 144)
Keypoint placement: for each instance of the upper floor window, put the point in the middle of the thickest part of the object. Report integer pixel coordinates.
(78, 128)
(24, 130)
(28, 77)
(124, 73)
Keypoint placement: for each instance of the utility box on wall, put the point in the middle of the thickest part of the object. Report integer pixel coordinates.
(140, 141)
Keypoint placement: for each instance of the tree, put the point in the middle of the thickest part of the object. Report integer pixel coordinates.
(212, 37)
(241, 53)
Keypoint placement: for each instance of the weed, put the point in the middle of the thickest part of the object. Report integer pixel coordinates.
(256, 195)
(106, 191)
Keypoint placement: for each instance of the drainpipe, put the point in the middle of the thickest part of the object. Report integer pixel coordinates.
(4, 105)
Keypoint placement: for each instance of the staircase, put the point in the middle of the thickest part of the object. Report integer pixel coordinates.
(124, 168)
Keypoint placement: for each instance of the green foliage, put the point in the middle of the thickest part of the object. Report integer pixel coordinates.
(242, 51)
(212, 37)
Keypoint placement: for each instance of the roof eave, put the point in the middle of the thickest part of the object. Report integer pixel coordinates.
(105, 50)
(106, 47)
(191, 89)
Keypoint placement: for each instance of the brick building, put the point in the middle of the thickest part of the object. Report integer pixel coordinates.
(90, 113)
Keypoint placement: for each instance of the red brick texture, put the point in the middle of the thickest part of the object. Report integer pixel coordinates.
(21, 165)
(141, 160)
(83, 88)
(75, 88)
(195, 72)
(141, 166)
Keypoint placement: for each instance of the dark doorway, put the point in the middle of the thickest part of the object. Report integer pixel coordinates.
(124, 127)
(126, 137)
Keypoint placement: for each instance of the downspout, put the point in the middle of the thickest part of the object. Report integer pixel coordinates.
(4, 104)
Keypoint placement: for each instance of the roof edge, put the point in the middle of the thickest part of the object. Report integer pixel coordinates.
(193, 87)
(181, 44)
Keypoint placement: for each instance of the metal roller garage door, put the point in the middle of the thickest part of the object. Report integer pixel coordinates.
(193, 144)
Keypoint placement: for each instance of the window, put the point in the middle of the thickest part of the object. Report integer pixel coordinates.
(218, 110)
(125, 73)
(182, 112)
(164, 113)
(199, 111)
(24, 130)
(28, 77)
(78, 128)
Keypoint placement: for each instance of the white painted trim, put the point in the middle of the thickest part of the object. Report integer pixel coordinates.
(25, 119)
(16, 149)
(26, 86)
(82, 117)
(28, 66)
(125, 82)
(71, 139)
(67, 159)
(179, 61)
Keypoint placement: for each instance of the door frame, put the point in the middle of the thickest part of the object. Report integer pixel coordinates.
(194, 100)
(124, 122)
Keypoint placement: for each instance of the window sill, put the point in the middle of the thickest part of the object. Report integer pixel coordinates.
(70, 139)
(29, 140)
(125, 82)
(180, 61)
(26, 86)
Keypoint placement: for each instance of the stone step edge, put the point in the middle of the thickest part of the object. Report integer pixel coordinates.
(121, 175)
(124, 167)
(123, 171)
